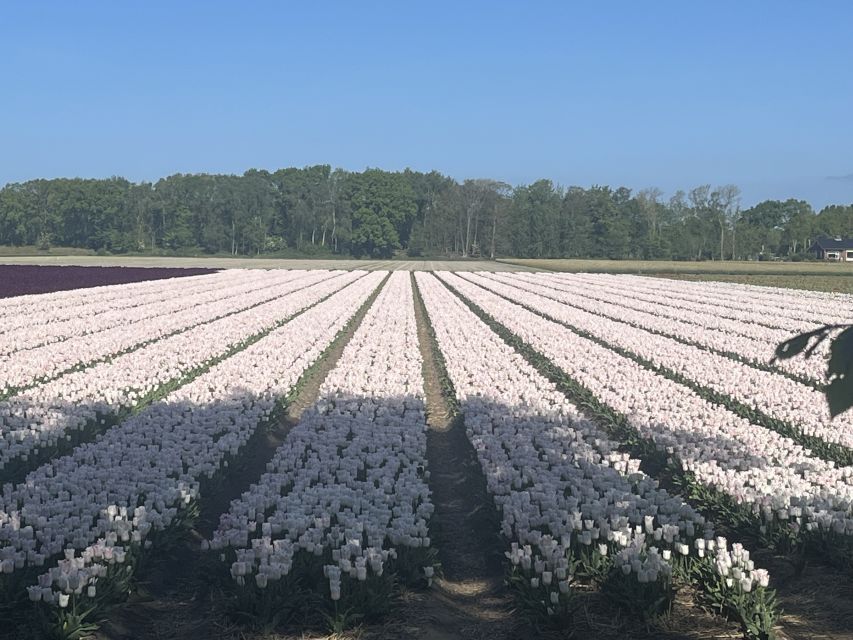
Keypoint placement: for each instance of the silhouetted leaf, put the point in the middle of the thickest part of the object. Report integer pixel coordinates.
(798, 344)
(841, 354)
(839, 391)
(839, 394)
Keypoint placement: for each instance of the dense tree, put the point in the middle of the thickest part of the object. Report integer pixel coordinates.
(320, 210)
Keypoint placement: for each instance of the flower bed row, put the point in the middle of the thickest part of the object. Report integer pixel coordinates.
(771, 304)
(800, 408)
(344, 504)
(701, 311)
(14, 295)
(754, 351)
(29, 368)
(33, 330)
(52, 307)
(102, 504)
(766, 478)
(78, 402)
(571, 503)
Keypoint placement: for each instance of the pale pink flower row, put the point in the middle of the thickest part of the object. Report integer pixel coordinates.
(140, 473)
(34, 331)
(557, 480)
(755, 466)
(759, 351)
(41, 308)
(770, 303)
(45, 414)
(350, 477)
(776, 395)
(711, 315)
(32, 366)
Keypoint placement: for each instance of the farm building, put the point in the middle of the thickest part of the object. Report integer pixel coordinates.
(833, 249)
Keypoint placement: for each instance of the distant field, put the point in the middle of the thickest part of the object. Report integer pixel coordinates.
(265, 263)
(810, 282)
(814, 276)
(666, 267)
(23, 279)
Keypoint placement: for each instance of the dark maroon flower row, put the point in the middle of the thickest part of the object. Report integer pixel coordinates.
(18, 280)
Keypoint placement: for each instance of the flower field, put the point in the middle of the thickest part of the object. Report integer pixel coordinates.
(22, 279)
(634, 437)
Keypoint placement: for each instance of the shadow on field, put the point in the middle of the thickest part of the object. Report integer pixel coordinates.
(181, 596)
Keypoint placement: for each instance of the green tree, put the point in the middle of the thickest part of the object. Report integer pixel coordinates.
(373, 235)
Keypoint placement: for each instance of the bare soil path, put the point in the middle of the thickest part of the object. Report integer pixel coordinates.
(469, 600)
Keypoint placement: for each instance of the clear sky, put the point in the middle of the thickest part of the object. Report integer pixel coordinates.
(667, 94)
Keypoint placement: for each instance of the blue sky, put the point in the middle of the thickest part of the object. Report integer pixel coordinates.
(667, 94)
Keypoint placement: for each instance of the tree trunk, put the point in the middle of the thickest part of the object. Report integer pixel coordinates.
(494, 230)
(734, 243)
(467, 234)
(427, 228)
(476, 228)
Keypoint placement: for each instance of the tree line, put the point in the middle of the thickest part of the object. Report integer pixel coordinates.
(319, 211)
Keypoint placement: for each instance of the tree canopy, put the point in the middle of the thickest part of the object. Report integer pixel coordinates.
(374, 213)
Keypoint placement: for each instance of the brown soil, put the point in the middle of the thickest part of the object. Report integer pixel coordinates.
(817, 604)
(469, 600)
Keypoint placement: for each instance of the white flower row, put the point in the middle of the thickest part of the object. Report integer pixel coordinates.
(724, 289)
(760, 351)
(755, 466)
(754, 334)
(136, 477)
(33, 333)
(701, 311)
(559, 482)
(349, 482)
(42, 308)
(32, 366)
(782, 305)
(45, 414)
(776, 395)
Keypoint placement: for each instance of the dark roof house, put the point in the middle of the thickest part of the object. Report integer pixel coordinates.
(837, 248)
